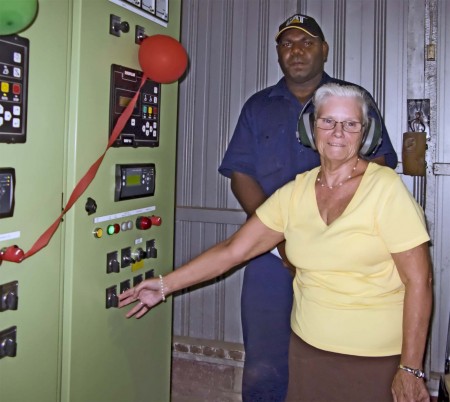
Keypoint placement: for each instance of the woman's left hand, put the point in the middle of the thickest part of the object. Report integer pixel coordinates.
(407, 388)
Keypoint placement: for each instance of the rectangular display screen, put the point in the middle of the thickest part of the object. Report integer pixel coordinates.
(124, 101)
(133, 180)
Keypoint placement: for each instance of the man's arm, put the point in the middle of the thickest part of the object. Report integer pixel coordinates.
(251, 195)
(247, 191)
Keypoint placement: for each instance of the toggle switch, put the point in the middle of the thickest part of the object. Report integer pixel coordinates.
(8, 343)
(112, 262)
(125, 285)
(138, 254)
(150, 249)
(137, 279)
(112, 300)
(149, 274)
(139, 34)
(9, 298)
(116, 25)
(126, 259)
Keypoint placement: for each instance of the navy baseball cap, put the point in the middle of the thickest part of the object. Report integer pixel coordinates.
(302, 22)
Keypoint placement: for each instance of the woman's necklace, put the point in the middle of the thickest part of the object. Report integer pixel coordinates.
(324, 183)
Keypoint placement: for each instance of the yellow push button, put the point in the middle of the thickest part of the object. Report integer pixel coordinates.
(5, 87)
(98, 232)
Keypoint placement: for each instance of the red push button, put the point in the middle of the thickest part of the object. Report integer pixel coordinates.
(143, 223)
(156, 220)
(16, 89)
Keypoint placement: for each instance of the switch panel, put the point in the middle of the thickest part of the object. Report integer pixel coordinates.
(125, 285)
(9, 297)
(112, 262)
(137, 280)
(126, 259)
(138, 254)
(150, 274)
(112, 300)
(150, 249)
(8, 343)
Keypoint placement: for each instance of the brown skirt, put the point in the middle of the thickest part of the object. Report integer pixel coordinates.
(319, 376)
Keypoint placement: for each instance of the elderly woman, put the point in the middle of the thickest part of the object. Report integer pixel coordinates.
(363, 279)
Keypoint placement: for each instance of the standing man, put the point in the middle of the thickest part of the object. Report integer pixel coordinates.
(264, 154)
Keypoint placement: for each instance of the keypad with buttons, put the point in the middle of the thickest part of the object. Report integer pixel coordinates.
(13, 85)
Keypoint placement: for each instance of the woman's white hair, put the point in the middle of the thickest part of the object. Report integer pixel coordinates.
(342, 91)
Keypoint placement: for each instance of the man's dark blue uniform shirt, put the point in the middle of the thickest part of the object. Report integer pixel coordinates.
(265, 146)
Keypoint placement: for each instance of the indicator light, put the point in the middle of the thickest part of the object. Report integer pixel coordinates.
(98, 233)
(116, 228)
(110, 230)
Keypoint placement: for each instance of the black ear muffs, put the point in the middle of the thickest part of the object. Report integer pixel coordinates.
(305, 130)
(371, 137)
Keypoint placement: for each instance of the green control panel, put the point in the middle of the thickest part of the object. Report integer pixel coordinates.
(64, 82)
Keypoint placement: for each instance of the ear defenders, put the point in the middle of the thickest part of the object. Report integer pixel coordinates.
(371, 139)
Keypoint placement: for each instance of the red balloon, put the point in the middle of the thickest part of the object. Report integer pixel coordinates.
(162, 58)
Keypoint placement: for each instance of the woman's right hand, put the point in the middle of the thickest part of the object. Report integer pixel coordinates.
(147, 294)
(407, 388)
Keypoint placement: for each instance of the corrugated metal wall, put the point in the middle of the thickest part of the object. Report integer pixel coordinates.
(379, 44)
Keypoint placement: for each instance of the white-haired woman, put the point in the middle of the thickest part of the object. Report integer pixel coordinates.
(363, 278)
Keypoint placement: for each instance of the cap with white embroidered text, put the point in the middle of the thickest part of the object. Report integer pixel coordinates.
(302, 22)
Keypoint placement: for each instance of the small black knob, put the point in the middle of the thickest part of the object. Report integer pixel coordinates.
(139, 254)
(8, 348)
(113, 266)
(90, 206)
(124, 27)
(11, 301)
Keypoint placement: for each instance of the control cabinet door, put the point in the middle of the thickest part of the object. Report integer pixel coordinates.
(112, 244)
(31, 291)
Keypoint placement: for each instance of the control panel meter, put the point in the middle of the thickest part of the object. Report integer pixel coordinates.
(134, 181)
(13, 88)
(155, 10)
(7, 184)
(142, 128)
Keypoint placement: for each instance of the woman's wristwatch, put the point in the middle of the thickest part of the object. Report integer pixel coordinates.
(416, 372)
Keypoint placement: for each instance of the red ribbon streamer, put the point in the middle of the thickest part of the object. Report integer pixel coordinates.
(15, 254)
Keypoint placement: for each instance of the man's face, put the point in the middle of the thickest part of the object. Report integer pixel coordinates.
(301, 56)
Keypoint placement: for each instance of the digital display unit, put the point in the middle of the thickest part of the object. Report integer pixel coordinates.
(134, 181)
(142, 128)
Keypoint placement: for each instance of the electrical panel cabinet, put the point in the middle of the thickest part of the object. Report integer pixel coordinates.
(64, 337)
